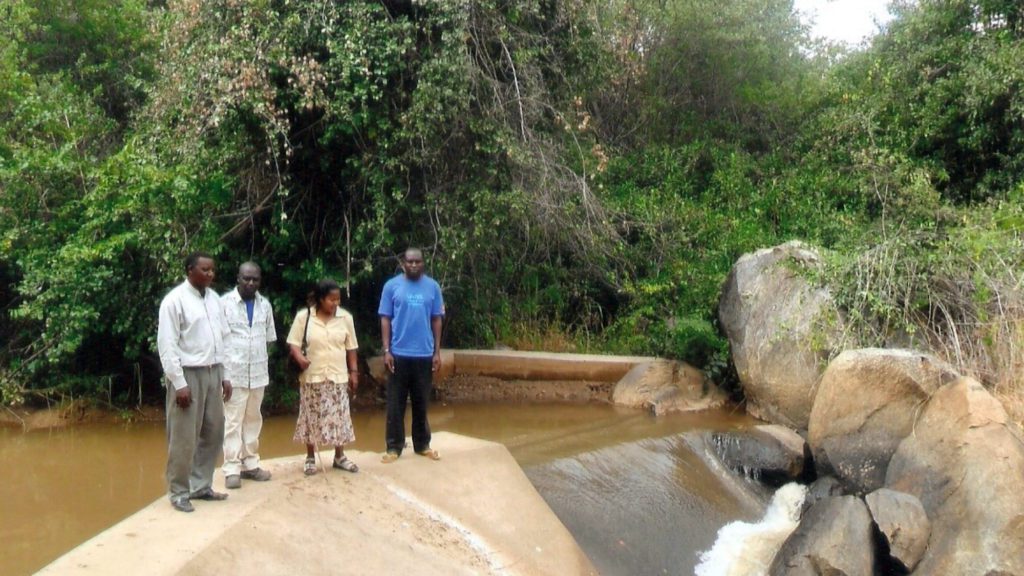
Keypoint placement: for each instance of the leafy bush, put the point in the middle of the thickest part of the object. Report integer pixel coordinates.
(953, 290)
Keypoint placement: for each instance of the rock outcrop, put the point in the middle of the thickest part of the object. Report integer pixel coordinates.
(940, 461)
(770, 453)
(865, 405)
(903, 523)
(822, 488)
(664, 386)
(965, 462)
(834, 538)
(768, 311)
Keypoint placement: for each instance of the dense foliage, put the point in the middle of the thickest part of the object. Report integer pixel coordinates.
(581, 174)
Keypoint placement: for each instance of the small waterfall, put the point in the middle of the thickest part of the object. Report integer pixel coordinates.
(723, 446)
(746, 549)
(643, 507)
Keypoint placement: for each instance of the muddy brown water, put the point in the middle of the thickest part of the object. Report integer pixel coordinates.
(633, 493)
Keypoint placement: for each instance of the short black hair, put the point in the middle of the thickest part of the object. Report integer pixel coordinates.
(249, 263)
(322, 290)
(192, 259)
(411, 249)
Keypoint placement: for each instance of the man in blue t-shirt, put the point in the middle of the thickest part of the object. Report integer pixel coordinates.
(411, 310)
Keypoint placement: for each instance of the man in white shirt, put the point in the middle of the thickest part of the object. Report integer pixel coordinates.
(190, 338)
(250, 321)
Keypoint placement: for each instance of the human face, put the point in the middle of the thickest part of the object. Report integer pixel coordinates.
(329, 304)
(412, 264)
(201, 275)
(249, 278)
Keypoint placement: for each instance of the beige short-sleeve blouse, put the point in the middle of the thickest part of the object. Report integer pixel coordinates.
(327, 344)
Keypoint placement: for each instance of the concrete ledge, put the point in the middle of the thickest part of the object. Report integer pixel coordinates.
(376, 365)
(544, 365)
(474, 512)
(515, 365)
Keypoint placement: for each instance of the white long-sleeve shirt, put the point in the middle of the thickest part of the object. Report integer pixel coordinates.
(191, 331)
(246, 362)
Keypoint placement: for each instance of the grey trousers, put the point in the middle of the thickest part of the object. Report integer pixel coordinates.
(195, 434)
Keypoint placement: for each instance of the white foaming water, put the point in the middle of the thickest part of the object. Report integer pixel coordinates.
(744, 549)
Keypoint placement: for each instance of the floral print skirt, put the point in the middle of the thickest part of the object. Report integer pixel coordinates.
(324, 417)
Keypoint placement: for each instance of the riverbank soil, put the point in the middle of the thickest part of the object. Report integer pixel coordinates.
(74, 414)
(454, 389)
(415, 516)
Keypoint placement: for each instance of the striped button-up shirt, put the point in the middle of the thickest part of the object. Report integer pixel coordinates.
(246, 363)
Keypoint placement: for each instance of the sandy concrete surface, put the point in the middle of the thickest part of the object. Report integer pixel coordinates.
(473, 512)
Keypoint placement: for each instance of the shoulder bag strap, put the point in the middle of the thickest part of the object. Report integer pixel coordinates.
(305, 332)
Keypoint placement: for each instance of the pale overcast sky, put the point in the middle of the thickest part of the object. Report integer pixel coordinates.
(843, 20)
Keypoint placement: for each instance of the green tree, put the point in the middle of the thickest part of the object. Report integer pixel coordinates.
(70, 76)
(945, 83)
(693, 69)
(319, 138)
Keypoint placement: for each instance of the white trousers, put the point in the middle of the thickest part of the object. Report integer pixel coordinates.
(242, 424)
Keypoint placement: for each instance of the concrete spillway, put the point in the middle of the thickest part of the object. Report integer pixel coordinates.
(473, 512)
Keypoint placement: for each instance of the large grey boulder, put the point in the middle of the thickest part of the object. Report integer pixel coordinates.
(663, 386)
(901, 519)
(834, 538)
(965, 462)
(769, 453)
(769, 312)
(865, 405)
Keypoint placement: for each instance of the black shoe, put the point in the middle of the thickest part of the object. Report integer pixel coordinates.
(259, 475)
(182, 504)
(209, 494)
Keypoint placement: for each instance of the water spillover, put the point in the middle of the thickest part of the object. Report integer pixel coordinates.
(745, 549)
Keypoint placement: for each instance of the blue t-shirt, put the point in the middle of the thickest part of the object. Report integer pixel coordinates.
(411, 305)
(249, 307)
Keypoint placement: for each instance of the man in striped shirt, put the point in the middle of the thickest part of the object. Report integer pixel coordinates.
(250, 319)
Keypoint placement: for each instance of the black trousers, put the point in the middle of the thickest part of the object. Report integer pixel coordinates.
(412, 379)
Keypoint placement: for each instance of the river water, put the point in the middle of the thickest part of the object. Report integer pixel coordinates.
(637, 496)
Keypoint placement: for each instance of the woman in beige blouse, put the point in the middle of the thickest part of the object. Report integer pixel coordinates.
(328, 361)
